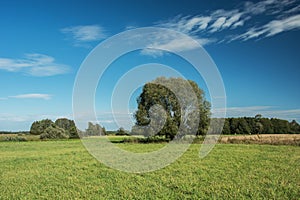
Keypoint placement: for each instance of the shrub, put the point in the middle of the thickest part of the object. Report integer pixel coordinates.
(54, 132)
(38, 127)
(68, 126)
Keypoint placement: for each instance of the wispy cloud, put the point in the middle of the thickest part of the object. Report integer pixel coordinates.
(84, 34)
(32, 96)
(173, 42)
(272, 28)
(34, 65)
(240, 23)
(266, 111)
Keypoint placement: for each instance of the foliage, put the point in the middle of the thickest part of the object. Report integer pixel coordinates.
(259, 125)
(14, 132)
(94, 130)
(168, 93)
(47, 129)
(68, 126)
(54, 132)
(122, 131)
(151, 139)
(13, 139)
(38, 127)
(65, 170)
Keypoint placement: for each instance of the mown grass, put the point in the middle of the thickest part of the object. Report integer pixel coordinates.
(65, 170)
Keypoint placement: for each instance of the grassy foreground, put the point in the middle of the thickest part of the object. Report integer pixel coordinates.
(65, 170)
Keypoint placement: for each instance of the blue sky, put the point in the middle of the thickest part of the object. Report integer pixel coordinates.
(255, 45)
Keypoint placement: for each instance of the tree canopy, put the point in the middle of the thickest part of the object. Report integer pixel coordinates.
(54, 132)
(170, 104)
(68, 126)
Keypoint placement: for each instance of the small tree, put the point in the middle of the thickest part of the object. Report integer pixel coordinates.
(38, 127)
(68, 126)
(94, 130)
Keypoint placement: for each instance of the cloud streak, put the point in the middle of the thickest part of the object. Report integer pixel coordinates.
(34, 65)
(84, 34)
(266, 111)
(272, 28)
(32, 96)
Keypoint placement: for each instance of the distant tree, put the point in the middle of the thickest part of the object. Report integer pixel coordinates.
(294, 127)
(259, 128)
(38, 127)
(239, 126)
(121, 131)
(54, 132)
(68, 126)
(226, 128)
(280, 126)
(251, 121)
(234, 125)
(94, 130)
(103, 131)
(219, 125)
(243, 126)
(259, 125)
(267, 126)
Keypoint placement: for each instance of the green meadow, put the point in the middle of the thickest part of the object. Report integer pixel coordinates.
(65, 170)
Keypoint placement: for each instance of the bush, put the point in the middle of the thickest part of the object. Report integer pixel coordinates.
(15, 139)
(122, 131)
(68, 126)
(38, 127)
(153, 139)
(54, 132)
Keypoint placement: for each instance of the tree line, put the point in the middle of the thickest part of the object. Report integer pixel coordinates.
(183, 112)
(257, 125)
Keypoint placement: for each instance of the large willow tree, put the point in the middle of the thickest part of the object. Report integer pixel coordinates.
(161, 98)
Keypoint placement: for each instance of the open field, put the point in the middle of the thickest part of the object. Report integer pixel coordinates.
(64, 169)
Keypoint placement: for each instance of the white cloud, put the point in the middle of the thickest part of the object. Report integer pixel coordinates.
(275, 16)
(233, 20)
(187, 24)
(35, 65)
(293, 10)
(218, 24)
(278, 26)
(237, 24)
(267, 6)
(272, 28)
(83, 34)
(32, 96)
(172, 42)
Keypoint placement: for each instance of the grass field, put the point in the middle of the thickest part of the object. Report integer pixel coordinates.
(65, 170)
